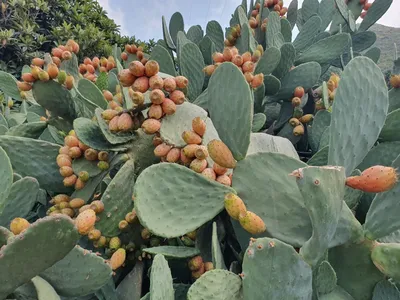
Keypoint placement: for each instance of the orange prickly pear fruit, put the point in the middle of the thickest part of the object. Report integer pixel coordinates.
(66, 55)
(218, 57)
(395, 81)
(191, 137)
(118, 258)
(157, 96)
(201, 152)
(249, 77)
(221, 154)
(209, 173)
(94, 234)
(246, 57)
(155, 111)
(24, 86)
(35, 70)
(76, 203)
(75, 152)
(28, 77)
(227, 54)
(257, 80)
(294, 122)
(169, 84)
(52, 70)
(156, 82)
(195, 263)
(219, 170)
(162, 150)
(91, 154)
(234, 205)
(173, 155)
(199, 126)
(137, 98)
(298, 130)
(103, 155)
(184, 159)
(168, 106)
(38, 62)
(57, 52)
(306, 118)
(70, 180)
(124, 56)
(237, 60)
(181, 82)
(109, 114)
(197, 274)
(123, 225)
(190, 150)
(252, 223)
(208, 266)
(69, 82)
(131, 217)
(19, 225)
(85, 221)
(44, 76)
(63, 160)
(299, 92)
(151, 126)
(178, 97)
(248, 66)
(198, 165)
(60, 198)
(141, 84)
(126, 78)
(209, 70)
(224, 179)
(66, 171)
(376, 179)
(97, 206)
(125, 122)
(296, 101)
(151, 68)
(79, 184)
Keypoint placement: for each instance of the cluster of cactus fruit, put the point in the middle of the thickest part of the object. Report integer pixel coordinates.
(214, 161)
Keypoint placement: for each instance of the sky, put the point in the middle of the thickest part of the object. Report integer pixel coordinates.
(143, 18)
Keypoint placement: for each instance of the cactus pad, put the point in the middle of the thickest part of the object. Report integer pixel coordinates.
(174, 252)
(161, 280)
(390, 131)
(262, 142)
(44, 290)
(6, 175)
(217, 256)
(90, 91)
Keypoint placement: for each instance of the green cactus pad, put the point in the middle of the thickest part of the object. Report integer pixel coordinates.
(323, 191)
(174, 252)
(326, 11)
(28, 130)
(272, 85)
(215, 33)
(337, 294)
(195, 199)
(288, 55)
(112, 138)
(3, 121)
(320, 158)
(309, 9)
(274, 195)
(385, 290)
(390, 131)
(181, 291)
(6, 177)
(345, 124)
(352, 196)
(325, 50)
(386, 259)
(381, 219)
(32, 117)
(351, 263)
(161, 55)
(305, 75)
(181, 41)
(79, 273)
(90, 91)
(192, 64)
(292, 12)
(44, 290)
(90, 134)
(112, 82)
(35, 158)
(195, 34)
(55, 98)
(258, 122)
(287, 132)
(20, 201)
(161, 280)
(376, 11)
(231, 109)
(382, 154)
(326, 279)
(273, 268)
(82, 164)
(84, 107)
(207, 48)
(259, 94)
(394, 100)
(268, 61)
(167, 37)
(117, 200)
(5, 234)
(286, 30)
(262, 142)
(15, 119)
(217, 256)
(34, 248)
(307, 33)
(176, 24)
(374, 54)
(3, 129)
(216, 285)
(131, 286)
(8, 84)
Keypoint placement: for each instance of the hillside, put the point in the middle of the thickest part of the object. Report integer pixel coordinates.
(386, 37)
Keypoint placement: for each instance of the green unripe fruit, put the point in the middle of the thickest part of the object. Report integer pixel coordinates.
(103, 165)
(84, 176)
(115, 243)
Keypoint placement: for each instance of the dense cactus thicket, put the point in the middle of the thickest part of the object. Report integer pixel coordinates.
(243, 163)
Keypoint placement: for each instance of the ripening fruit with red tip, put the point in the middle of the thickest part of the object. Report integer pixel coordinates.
(52, 69)
(24, 86)
(38, 62)
(218, 57)
(376, 179)
(57, 52)
(66, 55)
(124, 56)
(298, 92)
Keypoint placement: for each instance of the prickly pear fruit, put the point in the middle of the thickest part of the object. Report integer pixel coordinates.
(296, 101)
(126, 78)
(298, 130)
(118, 258)
(195, 263)
(168, 106)
(136, 68)
(201, 152)
(137, 98)
(70, 180)
(173, 155)
(221, 154)
(108, 114)
(257, 80)
(192, 235)
(306, 118)
(199, 126)
(234, 205)
(151, 68)
(62, 77)
(94, 234)
(208, 266)
(294, 122)
(69, 82)
(64, 160)
(131, 217)
(162, 150)
(395, 81)
(97, 206)
(177, 96)
(76, 203)
(52, 70)
(123, 225)
(101, 242)
(155, 111)
(197, 274)
(103, 165)
(157, 96)
(85, 221)
(151, 126)
(191, 137)
(224, 179)
(83, 176)
(181, 82)
(24, 86)
(156, 82)
(145, 233)
(19, 225)
(115, 243)
(59, 198)
(248, 66)
(108, 96)
(219, 170)
(141, 84)
(252, 223)
(68, 212)
(169, 84)
(209, 173)
(198, 165)
(103, 155)
(298, 92)
(125, 122)
(209, 70)
(75, 152)
(376, 179)
(190, 150)
(66, 171)
(385, 257)
(91, 154)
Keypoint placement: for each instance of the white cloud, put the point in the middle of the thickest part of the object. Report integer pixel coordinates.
(115, 13)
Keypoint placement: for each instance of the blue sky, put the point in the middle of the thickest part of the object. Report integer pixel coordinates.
(143, 18)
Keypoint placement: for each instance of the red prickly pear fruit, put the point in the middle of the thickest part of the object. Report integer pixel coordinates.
(177, 96)
(306, 118)
(224, 179)
(169, 84)
(128, 48)
(151, 68)
(87, 61)
(141, 84)
(218, 57)
(195, 263)
(209, 70)
(197, 274)
(395, 81)
(376, 179)
(19, 225)
(103, 155)
(221, 154)
(109, 114)
(367, 6)
(191, 137)
(156, 82)
(248, 66)
(70, 180)
(76, 203)
(103, 165)
(199, 126)
(66, 55)
(137, 98)
(155, 111)
(71, 141)
(44, 76)
(118, 259)
(181, 82)
(79, 184)
(238, 60)
(115, 243)
(257, 81)
(184, 159)
(249, 77)
(283, 11)
(75, 152)
(198, 165)
(298, 130)
(94, 234)
(296, 101)
(52, 70)
(254, 12)
(85, 221)
(28, 77)
(38, 62)
(162, 150)
(174, 155)
(63, 150)
(107, 95)
(66, 171)
(294, 122)
(208, 266)
(74, 46)
(24, 86)
(84, 176)
(140, 55)
(97, 206)
(190, 150)
(126, 78)
(246, 57)
(168, 107)
(299, 92)
(125, 122)
(151, 126)
(209, 173)
(57, 52)
(63, 160)
(69, 82)
(157, 96)
(124, 56)
(252, 223)
(227, 54)
(234, 205)
(157, 141)
(91, 154)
